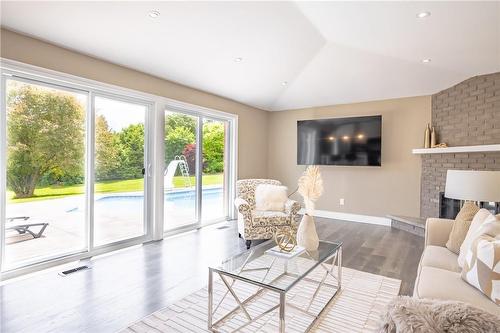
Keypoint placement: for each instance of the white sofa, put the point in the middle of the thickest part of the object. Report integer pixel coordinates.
(438, 275)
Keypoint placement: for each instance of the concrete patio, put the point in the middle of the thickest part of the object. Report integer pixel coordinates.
(118, 216)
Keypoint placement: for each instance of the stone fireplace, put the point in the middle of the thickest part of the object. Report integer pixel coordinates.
(466, 114)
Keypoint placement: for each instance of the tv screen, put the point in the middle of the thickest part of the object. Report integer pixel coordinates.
(340, 141)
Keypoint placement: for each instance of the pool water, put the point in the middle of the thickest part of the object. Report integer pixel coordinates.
(178, 204)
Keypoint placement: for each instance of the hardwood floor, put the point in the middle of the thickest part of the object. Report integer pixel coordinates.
(126, 286)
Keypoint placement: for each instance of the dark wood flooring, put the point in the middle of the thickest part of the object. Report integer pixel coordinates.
(124, 287)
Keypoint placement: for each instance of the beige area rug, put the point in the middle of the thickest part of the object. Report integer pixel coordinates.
(356, 308)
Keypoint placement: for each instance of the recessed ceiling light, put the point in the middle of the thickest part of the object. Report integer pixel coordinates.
(423, 14)
(284, 83)
(239, 59)
(154, 13)
(426, 61)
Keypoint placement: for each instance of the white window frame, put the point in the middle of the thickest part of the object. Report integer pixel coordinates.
(155, 154)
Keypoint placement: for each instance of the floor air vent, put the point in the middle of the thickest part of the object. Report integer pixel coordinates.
(74, 270)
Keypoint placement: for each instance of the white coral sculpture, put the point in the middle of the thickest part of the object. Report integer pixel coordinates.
(311, 187)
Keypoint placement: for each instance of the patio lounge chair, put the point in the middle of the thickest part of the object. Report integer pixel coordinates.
(19, 224)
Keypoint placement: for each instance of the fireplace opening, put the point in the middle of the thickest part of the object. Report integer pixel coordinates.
(449, 208)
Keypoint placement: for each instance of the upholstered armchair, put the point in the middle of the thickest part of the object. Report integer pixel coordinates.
(254, 224)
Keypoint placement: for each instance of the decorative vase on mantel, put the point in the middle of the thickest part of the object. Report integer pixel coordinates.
(311, 189)
(307, 237)
(427, 137)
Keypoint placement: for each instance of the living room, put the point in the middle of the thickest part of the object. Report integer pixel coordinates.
(250, 166)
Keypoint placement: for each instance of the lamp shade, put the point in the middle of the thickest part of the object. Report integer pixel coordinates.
(473, 185)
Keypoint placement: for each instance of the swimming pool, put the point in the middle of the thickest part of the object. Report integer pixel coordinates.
(177, 203)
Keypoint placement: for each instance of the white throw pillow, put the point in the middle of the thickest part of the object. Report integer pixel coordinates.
(270, 197)
(490, 226)
(479, 219)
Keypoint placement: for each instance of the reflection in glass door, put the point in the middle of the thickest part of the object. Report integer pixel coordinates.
(45, 168)
(119, 170)
(181, 167)
(214, 186)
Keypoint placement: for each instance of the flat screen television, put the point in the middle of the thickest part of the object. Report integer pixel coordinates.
(340, 141)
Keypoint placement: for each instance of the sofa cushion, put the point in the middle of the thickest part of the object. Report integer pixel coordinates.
(440, 257)
(482, 261)
(436, 283)
(461, 226)
(477, 221)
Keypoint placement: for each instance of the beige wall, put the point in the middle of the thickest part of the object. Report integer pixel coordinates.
(393, 188)
(252, 139)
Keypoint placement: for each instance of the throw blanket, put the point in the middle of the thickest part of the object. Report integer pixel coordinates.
(411, 315)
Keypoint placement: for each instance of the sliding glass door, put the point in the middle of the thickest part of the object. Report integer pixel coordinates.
(196, 151)
(180, 204)
(76, 178)
(75, 171)
(45, 169)
(214, 186)
(119, 170)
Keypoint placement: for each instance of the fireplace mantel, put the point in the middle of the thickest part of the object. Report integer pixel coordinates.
(461, 149)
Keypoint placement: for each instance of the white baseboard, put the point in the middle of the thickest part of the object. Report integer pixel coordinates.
(351, 217)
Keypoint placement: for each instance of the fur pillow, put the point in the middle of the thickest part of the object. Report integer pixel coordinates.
(461, 226)
(482, 261)
(477, 221)
(270, 197)
(412, 315)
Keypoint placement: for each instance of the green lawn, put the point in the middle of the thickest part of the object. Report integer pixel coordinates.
(130, 185)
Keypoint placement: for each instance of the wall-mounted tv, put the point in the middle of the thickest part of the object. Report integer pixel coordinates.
(340, 141)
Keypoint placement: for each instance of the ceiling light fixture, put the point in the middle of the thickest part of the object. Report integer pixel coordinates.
(426, 61)
(154, 13)
(239, 59)
(284, 83)
(423, 15)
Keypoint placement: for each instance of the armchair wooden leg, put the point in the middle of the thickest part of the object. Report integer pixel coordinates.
(248, 243)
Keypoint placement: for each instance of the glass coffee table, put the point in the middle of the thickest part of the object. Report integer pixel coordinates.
(274, 273)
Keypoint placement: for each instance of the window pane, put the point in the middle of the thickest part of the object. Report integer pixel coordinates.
(214, 161)
(180, 170)
(45, 172)
(119, 163)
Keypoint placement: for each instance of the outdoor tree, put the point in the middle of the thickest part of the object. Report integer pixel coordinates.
(45, 132)
(106, 150)
(175, 120)
(131, 151)
(189, 153)
(176, 140)
(213, 147)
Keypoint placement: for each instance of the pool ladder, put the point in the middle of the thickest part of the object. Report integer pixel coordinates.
(184, 167)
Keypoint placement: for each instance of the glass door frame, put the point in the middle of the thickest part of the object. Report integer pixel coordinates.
(230, 155)
(31, 74)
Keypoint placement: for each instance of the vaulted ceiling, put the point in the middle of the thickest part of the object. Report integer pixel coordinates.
(293, 54)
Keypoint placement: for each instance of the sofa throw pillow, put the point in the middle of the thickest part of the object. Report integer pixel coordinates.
(270, 197)
(461, 226)
(481, 216)
(482, 261)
